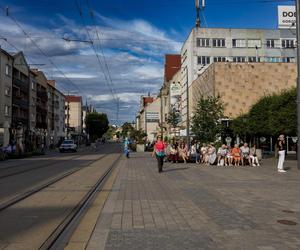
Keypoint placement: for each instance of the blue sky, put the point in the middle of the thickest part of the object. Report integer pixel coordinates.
(135, 35)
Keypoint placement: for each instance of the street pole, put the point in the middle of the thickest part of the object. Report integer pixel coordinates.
(161, 114)
(298, 79)
(187, 109)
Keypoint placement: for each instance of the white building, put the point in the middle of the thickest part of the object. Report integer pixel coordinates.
(206, 45)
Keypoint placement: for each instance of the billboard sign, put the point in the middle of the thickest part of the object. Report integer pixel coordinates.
(152, 116)
(175, 95)
(286, 17)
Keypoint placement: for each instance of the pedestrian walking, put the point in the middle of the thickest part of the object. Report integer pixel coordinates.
(281, 152)
(159, 153)
(126, 148)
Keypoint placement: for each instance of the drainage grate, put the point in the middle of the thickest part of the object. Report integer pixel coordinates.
(288, 211)
(287, 222)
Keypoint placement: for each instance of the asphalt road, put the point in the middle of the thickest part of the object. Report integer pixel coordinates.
(16, 176)
(28, 223)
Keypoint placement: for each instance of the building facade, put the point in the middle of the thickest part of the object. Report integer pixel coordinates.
(20, 127)
(6, 66)
(73, 114)
(207, 45)
(59, 117)
(171, 68)
(241, 85)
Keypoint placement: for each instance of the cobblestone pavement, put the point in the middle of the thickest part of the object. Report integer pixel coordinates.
(195, 207)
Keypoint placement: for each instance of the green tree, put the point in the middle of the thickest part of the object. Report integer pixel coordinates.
(270, 116)
(241, 126)
(173, 118)
(127, 129)
(110, 132)
(138, 135)
(206, 123)
(97, 125)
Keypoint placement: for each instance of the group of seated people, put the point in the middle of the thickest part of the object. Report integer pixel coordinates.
(208, 155)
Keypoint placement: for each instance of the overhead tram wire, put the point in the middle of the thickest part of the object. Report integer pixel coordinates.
(6, 11)
(107, 78)
(94, 49)
(91, 12)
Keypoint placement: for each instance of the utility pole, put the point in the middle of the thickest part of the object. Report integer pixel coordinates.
(161, 113)
(298, 79)
(68, 117)
(198, 8)
(187, 109)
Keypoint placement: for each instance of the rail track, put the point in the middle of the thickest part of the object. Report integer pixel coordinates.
(19, 197)
(60, 236)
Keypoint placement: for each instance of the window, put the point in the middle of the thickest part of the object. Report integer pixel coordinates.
(7, 91)
(218, 42)
(8, 70)
(32, 86)
(6, 110)
(288, 59)
(219, 59)
(253, 43)
(203, 60)
(203, 42)
(273, 43)
(253, 59)
(238, 43)
(288, 43)
(273, 59)
(239, 59)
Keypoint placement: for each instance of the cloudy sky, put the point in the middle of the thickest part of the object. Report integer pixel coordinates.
(133, 36)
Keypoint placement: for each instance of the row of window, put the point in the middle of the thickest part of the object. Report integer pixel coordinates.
(246, 43)
(204, 60)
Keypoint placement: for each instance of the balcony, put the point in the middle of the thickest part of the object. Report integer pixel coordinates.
(42, 94)
(41, 108)
(21, 102)
(41, 125)
(24, 86)
(19, 119)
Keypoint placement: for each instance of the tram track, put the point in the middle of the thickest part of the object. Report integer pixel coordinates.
(59, 237)
(19, 197)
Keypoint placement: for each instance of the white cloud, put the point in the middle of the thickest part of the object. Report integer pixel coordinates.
(124, 97)
(134, 51)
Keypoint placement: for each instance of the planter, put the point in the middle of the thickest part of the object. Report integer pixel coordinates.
(140, 147)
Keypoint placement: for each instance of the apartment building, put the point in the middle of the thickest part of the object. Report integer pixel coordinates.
(172, 67)
(32, 100)
(20, 96)
(6, 65)
(59, 116)
(41, 101)
(207, 45)
(73, 114)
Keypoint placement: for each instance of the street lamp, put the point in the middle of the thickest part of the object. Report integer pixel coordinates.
(298, 79)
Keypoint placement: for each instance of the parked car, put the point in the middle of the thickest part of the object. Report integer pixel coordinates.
(68, 145)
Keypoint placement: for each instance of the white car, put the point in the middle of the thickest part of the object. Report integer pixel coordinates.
(68, 145)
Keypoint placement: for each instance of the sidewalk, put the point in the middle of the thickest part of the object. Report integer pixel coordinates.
(192, 207)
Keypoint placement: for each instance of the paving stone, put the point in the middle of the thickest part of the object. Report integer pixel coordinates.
(202, 207)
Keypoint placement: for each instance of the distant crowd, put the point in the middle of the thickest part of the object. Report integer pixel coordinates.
(207, 154)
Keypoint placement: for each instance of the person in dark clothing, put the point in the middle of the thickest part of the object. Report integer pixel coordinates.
(281, 144)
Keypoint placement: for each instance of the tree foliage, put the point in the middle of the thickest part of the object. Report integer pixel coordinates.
(127, 129)
(96, 124)
(139, 136)
(173, 118)
(206, 122)
(270, 116)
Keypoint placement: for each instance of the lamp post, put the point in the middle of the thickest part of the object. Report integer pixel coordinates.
(187, 109)
(298, 80)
